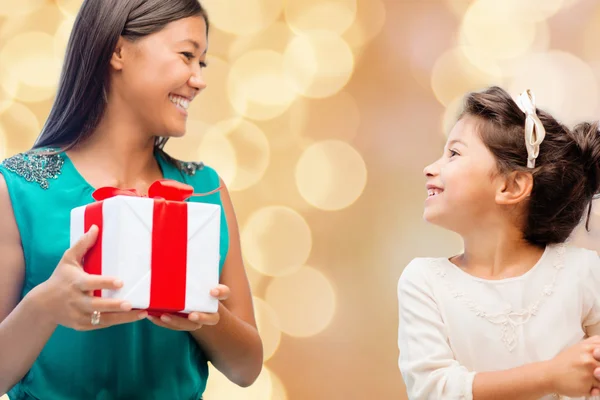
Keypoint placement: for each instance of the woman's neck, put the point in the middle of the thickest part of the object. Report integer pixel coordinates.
(118, 153)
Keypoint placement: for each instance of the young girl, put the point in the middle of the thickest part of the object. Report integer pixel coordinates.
(514, 316)
(132, 67)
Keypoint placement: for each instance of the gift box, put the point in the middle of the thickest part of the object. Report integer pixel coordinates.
(164, 249)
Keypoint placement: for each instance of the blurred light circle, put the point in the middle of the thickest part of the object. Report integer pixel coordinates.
(562, 83)
(69, 8)
(30, 59)
(369, 21)
(497, 29)
(276, 240)
(279, 391)
(591, 33)
(257, 86)
(212, 104)
(251, 147)
(268, 327)
(459, 7)
(454, 75)
(451, 114)
(275, 37)
(304, 301)
(61, 38)
(331, 175)
(11, 8)
(220, 388)
(20, 126)
(216, 151)
(185, 148)
(538, 10)
(335, 117)
(2, 144)
(330, 15)
(245, 17)
(318, 63)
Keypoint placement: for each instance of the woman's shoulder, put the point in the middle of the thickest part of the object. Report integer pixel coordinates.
(37, 167)
(203, 178)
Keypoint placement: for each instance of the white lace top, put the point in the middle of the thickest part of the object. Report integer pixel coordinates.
(453, 325)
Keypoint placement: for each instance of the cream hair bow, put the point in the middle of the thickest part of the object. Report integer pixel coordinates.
(534, 129)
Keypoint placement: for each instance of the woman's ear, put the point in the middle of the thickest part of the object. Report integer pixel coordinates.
(117, 61)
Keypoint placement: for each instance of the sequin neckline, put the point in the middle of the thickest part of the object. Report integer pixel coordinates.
(69, 164)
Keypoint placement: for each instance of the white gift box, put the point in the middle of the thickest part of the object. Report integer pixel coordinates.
(154, 273)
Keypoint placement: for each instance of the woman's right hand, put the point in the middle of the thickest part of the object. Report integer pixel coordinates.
(571, 372)
(67, 296)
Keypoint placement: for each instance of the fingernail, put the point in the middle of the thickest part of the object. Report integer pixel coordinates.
(143, 315)
(125, 306)
(194, 317)
(165, 318)
(118, 282)
(150, 317)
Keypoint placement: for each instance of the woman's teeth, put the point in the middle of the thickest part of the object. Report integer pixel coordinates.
(433, 192)
(180, 101)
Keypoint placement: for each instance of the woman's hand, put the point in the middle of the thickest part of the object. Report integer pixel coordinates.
(67, 296)
(195, 320)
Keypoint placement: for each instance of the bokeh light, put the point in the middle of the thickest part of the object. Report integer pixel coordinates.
(16, 117)
(454, 74)
(17, 8)
(563, 84)
(69, 7)
(319, 63)
(43, 19)
(61, 38)
(243, 17)
(251, 150)
(451, 115)
(267, 323)
(276, 240)
(497, 29)
(278, 389)
(335, 117)
(217, 151)
(369, 21)
(258, 87)
(304, 302)
(275, 37)
(331, 175)
(29, 60)
(2, 144)
(219, 387)
(313, 15)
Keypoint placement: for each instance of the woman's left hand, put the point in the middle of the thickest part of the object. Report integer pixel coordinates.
(195, 320)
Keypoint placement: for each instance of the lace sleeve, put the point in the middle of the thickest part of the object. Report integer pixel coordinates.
(426, 360)
(591, 295)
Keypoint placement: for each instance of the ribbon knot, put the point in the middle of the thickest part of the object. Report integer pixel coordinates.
(161, 189)
(534, 129)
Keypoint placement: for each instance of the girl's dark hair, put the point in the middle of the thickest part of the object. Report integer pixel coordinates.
(80, 100)
(566, 176)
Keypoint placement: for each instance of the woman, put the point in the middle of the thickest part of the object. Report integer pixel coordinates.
(131, 69)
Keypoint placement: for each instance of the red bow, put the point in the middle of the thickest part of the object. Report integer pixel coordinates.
(165, 188)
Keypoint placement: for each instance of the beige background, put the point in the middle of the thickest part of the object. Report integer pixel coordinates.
(320, 115)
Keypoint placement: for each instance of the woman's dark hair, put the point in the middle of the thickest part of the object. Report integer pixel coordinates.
(566, 176)
(81, 98)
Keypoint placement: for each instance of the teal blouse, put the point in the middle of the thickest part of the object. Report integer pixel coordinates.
(133, 361)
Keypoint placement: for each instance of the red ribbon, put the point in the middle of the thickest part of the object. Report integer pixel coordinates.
(169, 240)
